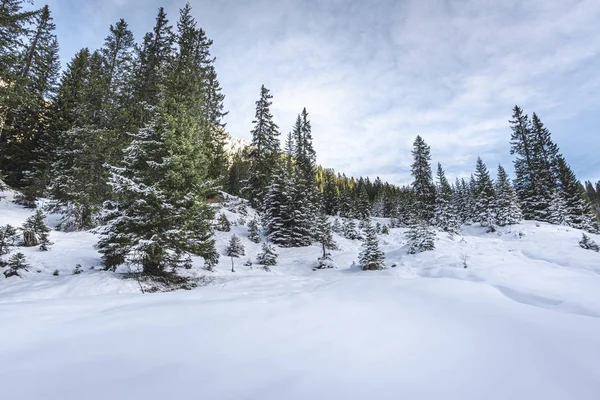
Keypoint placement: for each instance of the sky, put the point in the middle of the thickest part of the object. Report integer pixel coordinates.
(375, 74)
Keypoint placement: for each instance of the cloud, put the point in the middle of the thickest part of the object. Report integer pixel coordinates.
(375, 74)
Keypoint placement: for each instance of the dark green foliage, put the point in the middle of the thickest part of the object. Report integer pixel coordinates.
(587, 243)
(371, 257)
(15, 264)
(580, 213)
(385, 230)
(324, 233)
(350, 231)
(235, 248)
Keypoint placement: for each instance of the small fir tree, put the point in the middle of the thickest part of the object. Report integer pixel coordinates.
(508, 211)
(267, 256)
(35, 231)
(15, 264)
(420, 238)
(385, 230)
(587, 243)
(235, 248)
(253, 234)
(350, 231)
(8, 236)
(558, 213)
(223, 223)
(371, 257)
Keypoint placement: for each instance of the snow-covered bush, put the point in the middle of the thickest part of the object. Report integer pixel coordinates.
(325, 262)
(8, 236)
(253, 234)
(15, 264)
(421, 237)
(587, 243)
(35, 231)
(267, 256)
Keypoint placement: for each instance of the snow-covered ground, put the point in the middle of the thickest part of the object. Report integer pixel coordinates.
(521, 322)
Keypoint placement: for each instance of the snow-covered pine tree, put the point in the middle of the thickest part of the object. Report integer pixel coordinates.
(8, 236)
(253, 234)
(235, 248)
(557, 212)
(330, 193)
(223, 223)
(265, 150)
(349, 229)
(420, 237)
(587, 243)
(424, 189)
(363, 205)
(161, 218)
(445, 213)
(485, 197)
(324, 233)
(507, 209)
(530, 181)
(35, 231)
(267, 256)
(580, 211)
(371, 257)
(16, 263)
(385, 230)
(277, 209)
(336, 226)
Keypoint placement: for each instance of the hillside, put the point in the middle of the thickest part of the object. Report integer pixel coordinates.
(521, 321)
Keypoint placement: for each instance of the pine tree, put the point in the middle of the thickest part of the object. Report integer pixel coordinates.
(557, 212)
(350, 231)
(15, 264)
(160, 218)
(420, 237)
(445, 213)
(485, 197)
(223, 223)
(267, 256)
(32, 76)
(265, 149)
(507, 209)
(371, 257)
(422, 184)
(363, 204)
(336, 226)
(35, 231)
(579, 209)
(587, 243)
(235, 248)
(324, 234)
(8, 236)
(253, 234)
(330, 193)
(278, 213)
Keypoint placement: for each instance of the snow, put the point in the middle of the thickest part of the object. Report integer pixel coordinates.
(520, 322)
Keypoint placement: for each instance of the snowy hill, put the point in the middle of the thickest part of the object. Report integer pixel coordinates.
(522, 321)
(234, 144)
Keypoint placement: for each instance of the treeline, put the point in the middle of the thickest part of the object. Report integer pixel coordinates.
(129, 139)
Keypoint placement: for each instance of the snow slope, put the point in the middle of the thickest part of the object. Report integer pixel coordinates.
(521, 322)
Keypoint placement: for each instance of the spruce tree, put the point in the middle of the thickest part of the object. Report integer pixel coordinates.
(267, 256)
(160, 218)
(223, 223)
(278, 212)
(557, 212)
(422, 184)
(349, 229)
(324, 234)
(507, 209)
(485, 197)
(8, 236)
(16, 263)
(579, 209)
(235, 248)
(371, 257)
(35, 231)
(253, 234)
(420, 237)
(445, 213)
(265, 149)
